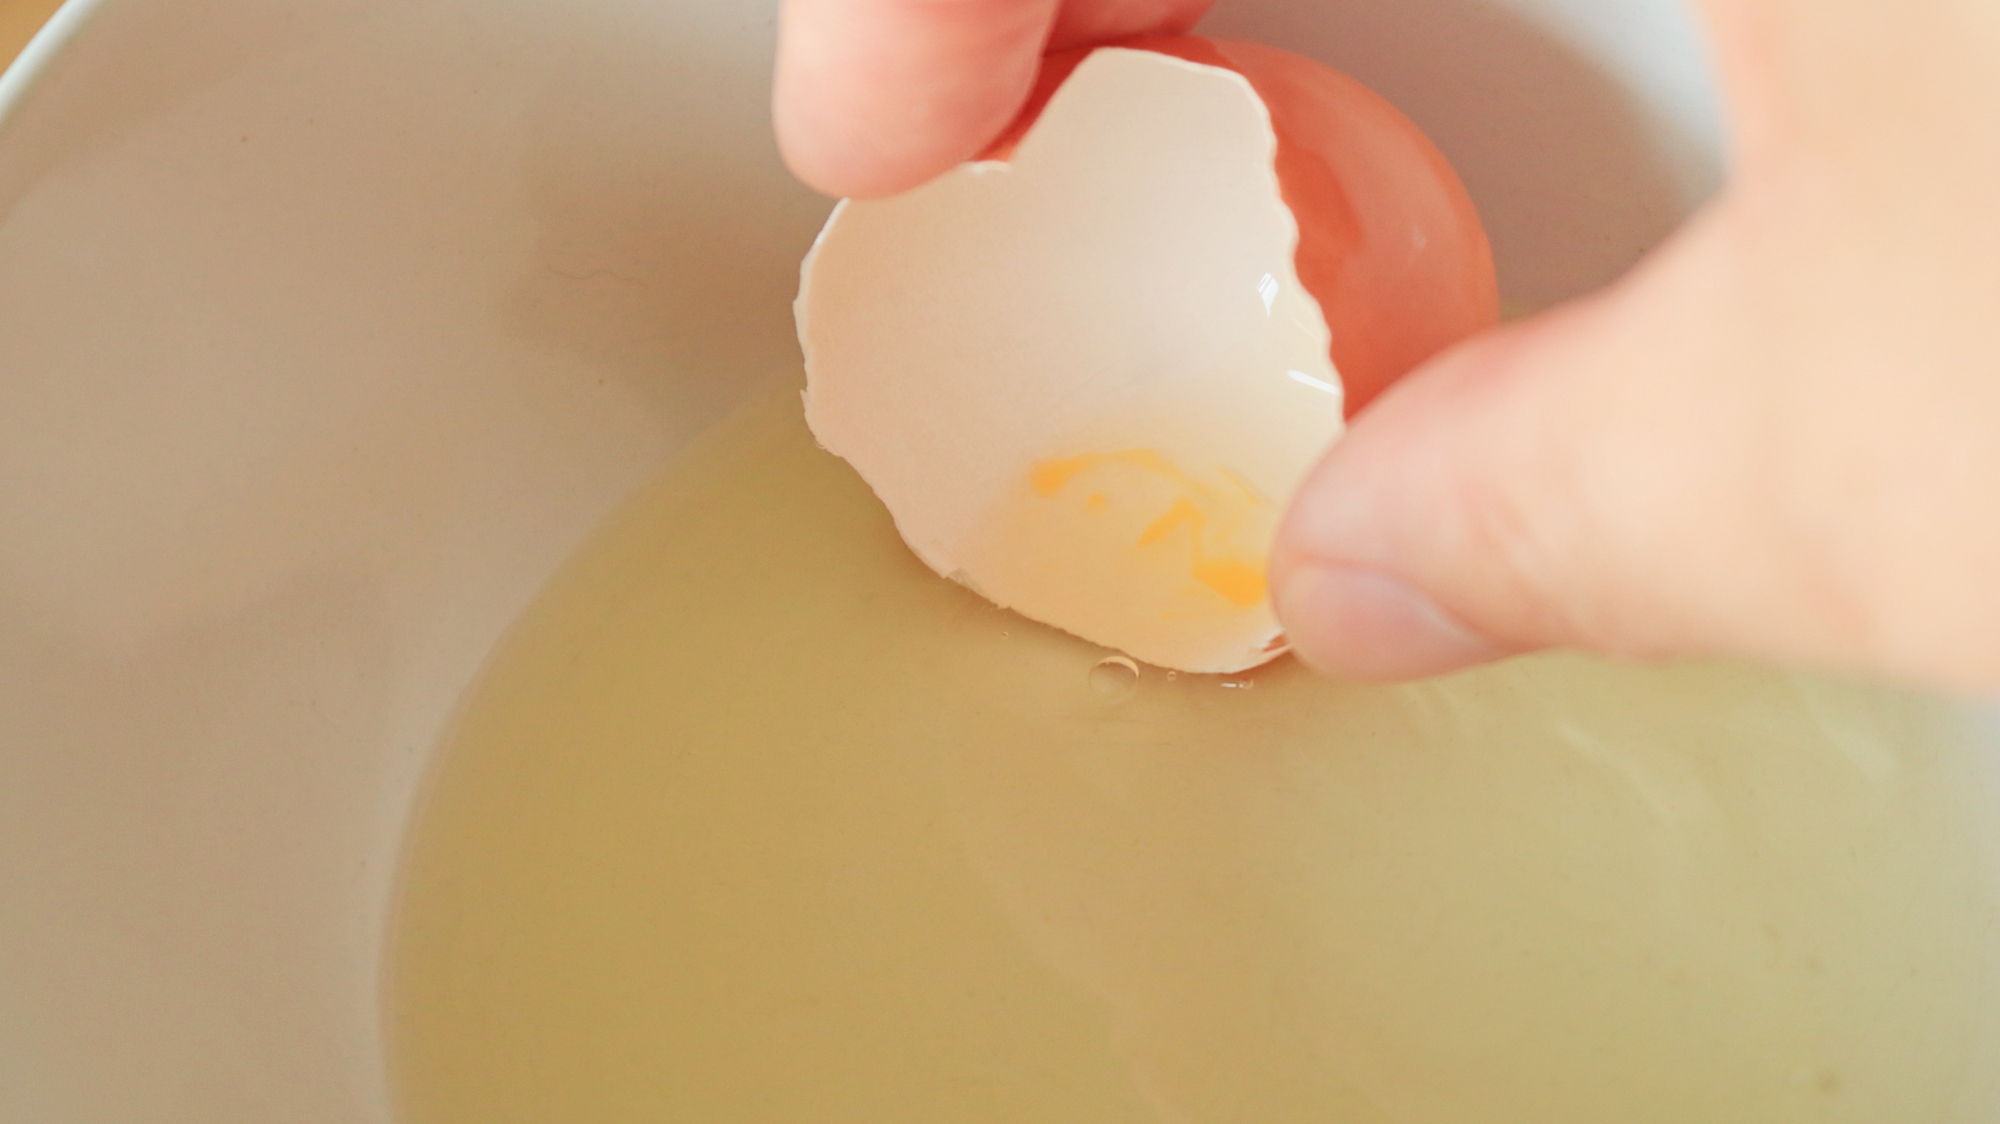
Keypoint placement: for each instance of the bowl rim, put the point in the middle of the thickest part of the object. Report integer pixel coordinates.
(19, 78)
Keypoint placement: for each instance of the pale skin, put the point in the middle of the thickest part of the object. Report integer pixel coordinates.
(1777, 437)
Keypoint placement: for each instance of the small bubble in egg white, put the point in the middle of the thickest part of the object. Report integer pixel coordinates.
(1114, 677)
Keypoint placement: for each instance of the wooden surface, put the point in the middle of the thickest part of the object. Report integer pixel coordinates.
(19, 20)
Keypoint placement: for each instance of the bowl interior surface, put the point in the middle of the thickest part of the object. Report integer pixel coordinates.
(328, 328)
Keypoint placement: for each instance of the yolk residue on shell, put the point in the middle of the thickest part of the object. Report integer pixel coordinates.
(1199, 508)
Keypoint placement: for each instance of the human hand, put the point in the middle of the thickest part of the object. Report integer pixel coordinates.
(1779, 436)
(876, 96)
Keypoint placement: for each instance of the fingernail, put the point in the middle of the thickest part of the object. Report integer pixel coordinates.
(1365, 624)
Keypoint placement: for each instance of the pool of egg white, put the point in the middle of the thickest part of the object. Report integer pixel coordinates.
(753, 818)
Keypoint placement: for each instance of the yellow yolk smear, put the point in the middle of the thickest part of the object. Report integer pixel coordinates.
(1162, 546)
(1198, 508)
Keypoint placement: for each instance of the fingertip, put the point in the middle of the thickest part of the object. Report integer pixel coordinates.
(1526, 488)
(846, 152)
(821, 155)
(874, 97)
(1382, 544)
(1361, 623)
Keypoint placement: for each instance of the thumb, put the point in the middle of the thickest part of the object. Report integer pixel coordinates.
(876, 96)
(1575, 479)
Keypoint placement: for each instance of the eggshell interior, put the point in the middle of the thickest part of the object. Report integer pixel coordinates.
(1119, 294)
(1390, 243)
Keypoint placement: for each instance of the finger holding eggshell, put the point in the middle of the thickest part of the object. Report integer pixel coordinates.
(1087, 372)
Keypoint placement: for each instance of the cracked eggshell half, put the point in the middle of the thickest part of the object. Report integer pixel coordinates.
(1086, 374)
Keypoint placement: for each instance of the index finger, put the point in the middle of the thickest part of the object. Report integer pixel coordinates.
(876, 96)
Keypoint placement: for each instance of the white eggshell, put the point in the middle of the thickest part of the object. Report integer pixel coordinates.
(1121, 290)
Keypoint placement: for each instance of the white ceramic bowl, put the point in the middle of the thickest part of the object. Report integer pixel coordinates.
(328, 328)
